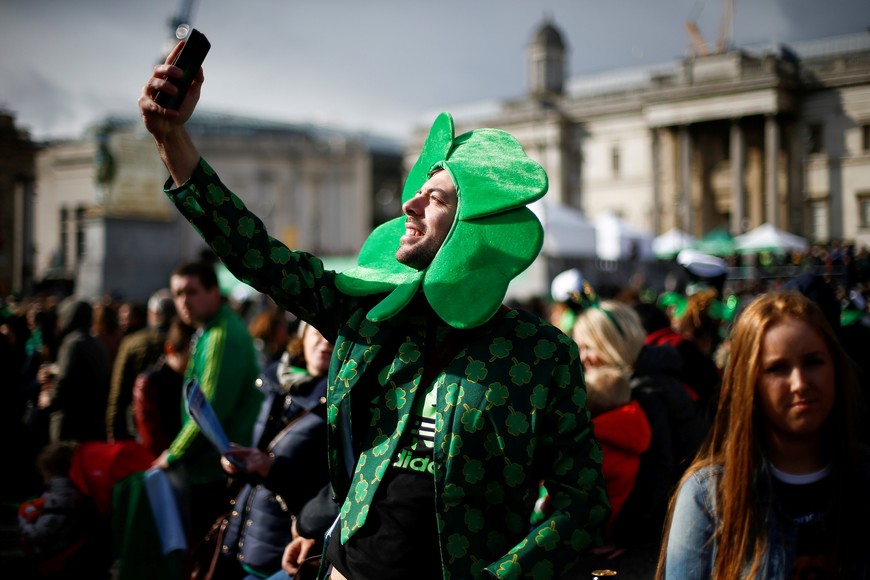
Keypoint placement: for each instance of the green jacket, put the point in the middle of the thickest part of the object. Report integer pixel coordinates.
(224, 362)
(511, 405)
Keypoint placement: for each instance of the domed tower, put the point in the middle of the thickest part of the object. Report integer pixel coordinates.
(547, 62)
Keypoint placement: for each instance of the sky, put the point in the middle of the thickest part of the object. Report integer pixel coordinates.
(369, 65)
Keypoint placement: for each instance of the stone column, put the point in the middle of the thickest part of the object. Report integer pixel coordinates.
(795, 221)
(685, 144)
(656, 180)
(771, 169)
(738, 163)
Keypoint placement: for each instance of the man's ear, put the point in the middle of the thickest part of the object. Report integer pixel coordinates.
(216, 293)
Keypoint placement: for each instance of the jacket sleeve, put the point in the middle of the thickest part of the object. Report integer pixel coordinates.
(317, 514)
(690, 544)
(223, 381)
(69, 368)
(569, 457)
(120, 391)
(300, 469)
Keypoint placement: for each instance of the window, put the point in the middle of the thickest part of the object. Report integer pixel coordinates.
(815, 138)
(615, 161)
(819, 219)
(865, 138)
(80, 233)
(64, 237)
(864, 209)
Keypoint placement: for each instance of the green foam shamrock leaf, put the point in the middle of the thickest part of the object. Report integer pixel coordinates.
(494, 236)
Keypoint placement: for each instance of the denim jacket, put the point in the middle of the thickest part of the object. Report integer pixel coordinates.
(691, 553)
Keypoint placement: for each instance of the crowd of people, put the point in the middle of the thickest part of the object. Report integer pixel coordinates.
(399, 419)
(72, 403)
(664, 391)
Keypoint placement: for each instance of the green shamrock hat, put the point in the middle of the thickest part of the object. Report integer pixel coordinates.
(494, 237)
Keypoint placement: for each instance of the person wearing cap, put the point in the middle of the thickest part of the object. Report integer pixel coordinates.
(565, 290)
(704, 271)
(445, 410)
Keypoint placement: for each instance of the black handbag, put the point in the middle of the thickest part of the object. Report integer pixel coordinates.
(206, 561)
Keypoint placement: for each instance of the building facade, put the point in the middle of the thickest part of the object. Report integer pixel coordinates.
(102, 219)
(732, 140)
(17, 179)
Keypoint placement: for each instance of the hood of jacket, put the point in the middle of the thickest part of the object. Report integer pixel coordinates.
(625, 427)
(74, 314)
(658, 359)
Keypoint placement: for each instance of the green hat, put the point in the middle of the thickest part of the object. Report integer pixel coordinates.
(494, 237)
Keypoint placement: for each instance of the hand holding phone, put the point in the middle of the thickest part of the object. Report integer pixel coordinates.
(189, 60)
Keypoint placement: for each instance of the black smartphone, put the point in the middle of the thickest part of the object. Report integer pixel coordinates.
(189, 60)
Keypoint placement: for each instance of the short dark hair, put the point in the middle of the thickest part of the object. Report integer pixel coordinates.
(652, 317)
(204, 272)
(179, 334)
(55, 459)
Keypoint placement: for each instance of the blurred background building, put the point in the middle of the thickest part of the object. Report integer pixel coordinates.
(724, 140)
(102, 218)
(733, 138)
(727, 138)
(17, 179)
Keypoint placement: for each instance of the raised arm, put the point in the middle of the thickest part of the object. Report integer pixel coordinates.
(174, 144)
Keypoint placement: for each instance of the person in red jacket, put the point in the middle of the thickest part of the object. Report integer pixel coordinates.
(610, 337)
(622, 428)
(630, 399)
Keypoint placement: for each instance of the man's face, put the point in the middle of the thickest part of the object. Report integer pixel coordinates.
(195, 304)
(431, 213)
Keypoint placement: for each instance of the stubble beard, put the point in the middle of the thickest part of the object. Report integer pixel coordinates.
(417, 256)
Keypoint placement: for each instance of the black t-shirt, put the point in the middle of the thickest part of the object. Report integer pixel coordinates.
(399, 538)
(807, 501)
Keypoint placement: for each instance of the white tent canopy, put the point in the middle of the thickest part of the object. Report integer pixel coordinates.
(567, 233)
(671, 242)
(618, 240)
(531, 282)
(767, 238)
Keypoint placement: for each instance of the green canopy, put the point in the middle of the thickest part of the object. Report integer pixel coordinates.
(232, 287)
(716, 242)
